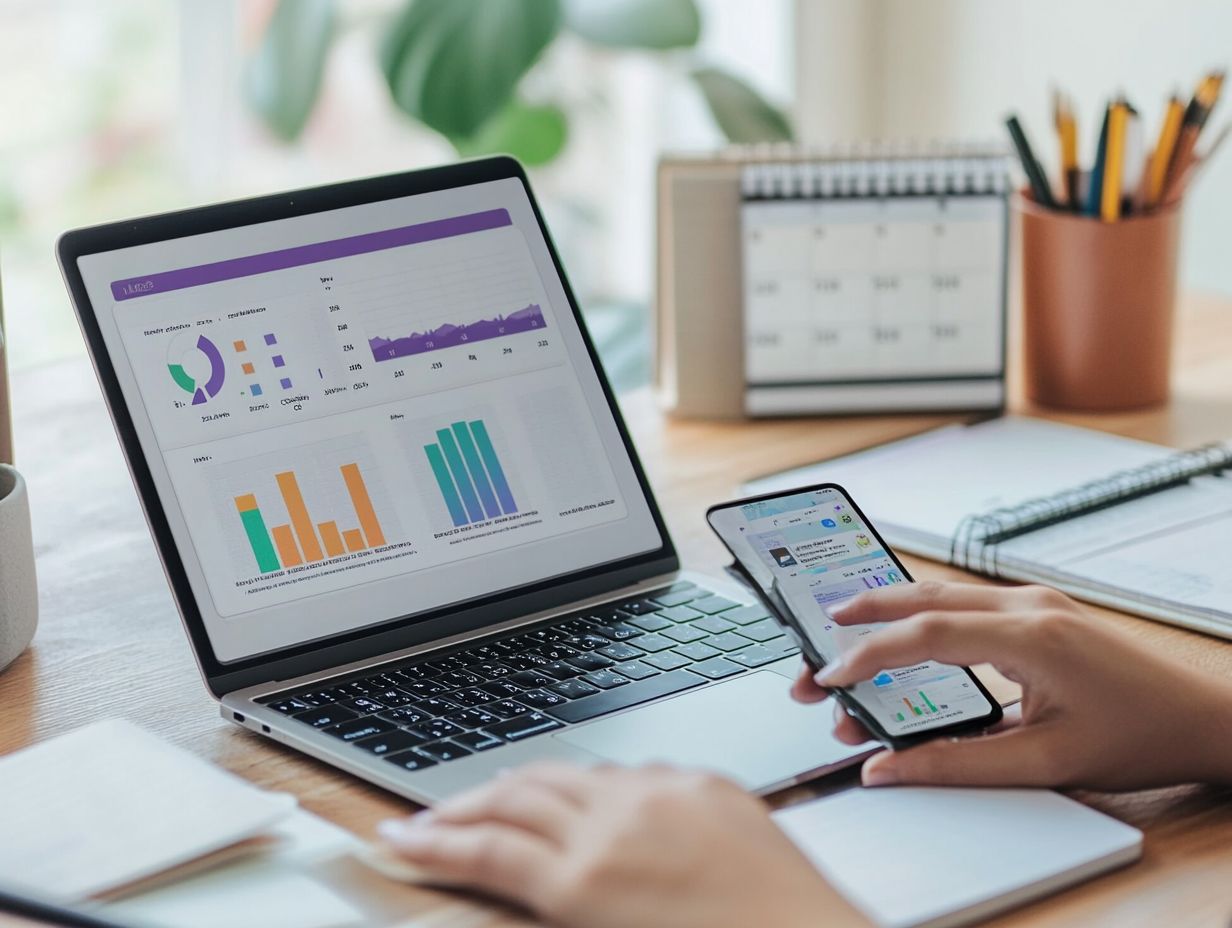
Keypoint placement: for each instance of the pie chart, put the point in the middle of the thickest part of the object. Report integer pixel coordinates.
(196, 367)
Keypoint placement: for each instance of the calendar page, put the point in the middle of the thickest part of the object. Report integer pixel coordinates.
(862, 301)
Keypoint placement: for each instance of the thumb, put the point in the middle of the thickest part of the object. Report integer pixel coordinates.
(1018, 757)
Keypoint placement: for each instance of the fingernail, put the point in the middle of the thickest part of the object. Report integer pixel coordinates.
(839, 610)
(398, 830)
(880, 775)
(828, 672)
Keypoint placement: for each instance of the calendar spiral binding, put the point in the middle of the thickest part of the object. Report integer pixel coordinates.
(870, 171)
(976, 541)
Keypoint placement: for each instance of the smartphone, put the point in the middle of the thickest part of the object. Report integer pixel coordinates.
(809, 549)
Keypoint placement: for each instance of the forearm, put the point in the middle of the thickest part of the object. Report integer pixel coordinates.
(1211, 739)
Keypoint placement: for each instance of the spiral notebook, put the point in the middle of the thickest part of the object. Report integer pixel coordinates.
(1114, 521)
(875, 282)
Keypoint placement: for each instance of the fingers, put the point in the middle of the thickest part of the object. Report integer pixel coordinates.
(905, 599)
(527, 805)
(577, 785)
(1021, 756)
(495, 858)
(805, 689)
(847, 729)
(953, 638)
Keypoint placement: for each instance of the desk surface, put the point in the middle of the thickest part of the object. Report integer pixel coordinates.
(110, 643)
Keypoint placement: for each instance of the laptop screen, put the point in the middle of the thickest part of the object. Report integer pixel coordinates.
(367, 413)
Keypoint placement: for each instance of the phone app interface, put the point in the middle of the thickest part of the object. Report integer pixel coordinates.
(819, 552)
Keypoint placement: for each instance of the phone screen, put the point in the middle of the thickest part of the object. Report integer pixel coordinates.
(819, 549)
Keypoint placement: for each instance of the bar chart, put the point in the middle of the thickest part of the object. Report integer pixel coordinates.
(914, 709)
(469, 473)
(302, 540)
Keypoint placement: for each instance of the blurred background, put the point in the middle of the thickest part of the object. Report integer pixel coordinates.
(115, 109)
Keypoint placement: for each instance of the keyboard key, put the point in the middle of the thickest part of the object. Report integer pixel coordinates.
(444, 664)
(421, 689)
(501, 689)
(526, 661)
(630, 695)
(290, 705)
(606, 616)
(409, 760)
(393, 698)
(655, 643)
(728, 641)
(493, 652)
(712, 604)
(573, 689)
(621, 651)
(542, 699)
(650, 623)
(531, 679)
(765, 630)
(478, 740)
(526, 726)
(714, 624)
(635, 670)
(433, 729)
(389, 742)
(319, 697)
(554, 652)
(472, 696)
(325, 716)
(405, 716)
(437, 705)
(697, 651)
(444, 750)
(716, 668)
(746, 615)
(618, 631)
(489, 670)
(547, 635)
(755, 656)
(668, 660)
(685, 633)
(560, 670)
(677, 597)
(681, 614)
(363, 705)
(574, 626)
(605, 679)
(507, 708)
(591, 661)
(456, 679)
(585, 642)
(359, 728)
(638, 607)
(413, 672)
(473, 718)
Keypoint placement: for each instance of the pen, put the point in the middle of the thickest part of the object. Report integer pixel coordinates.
(1095, 192)
(1196, 114)
(1035, 174)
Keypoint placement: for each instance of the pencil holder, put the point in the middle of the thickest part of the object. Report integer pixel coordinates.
(1098, 303)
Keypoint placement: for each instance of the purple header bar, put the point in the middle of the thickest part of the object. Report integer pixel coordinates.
(308, 254)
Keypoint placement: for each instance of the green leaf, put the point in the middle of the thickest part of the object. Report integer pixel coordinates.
(742, 113)
(455, 64)
(534, 134)
(283, 78)
(635, 23)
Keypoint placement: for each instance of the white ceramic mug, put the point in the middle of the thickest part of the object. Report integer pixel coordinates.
(18, 589)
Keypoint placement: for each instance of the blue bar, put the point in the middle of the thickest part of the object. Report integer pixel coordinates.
(475, 467)
(460, 478)
(492, 462)
(441, 471)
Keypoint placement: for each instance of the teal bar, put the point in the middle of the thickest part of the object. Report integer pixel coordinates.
(492, 463)
(445, 482)
(258, 537)
(460, 478)
(475, 466)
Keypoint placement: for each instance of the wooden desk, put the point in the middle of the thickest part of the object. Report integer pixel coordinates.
(110, 644)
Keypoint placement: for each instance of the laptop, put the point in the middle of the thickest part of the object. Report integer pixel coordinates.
(401, 516)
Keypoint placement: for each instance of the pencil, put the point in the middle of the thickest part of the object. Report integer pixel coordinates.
(1114, 162)
(1164, 148)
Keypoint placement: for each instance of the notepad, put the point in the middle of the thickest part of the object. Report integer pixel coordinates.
(110, 804)
(1118, 522)
(926, 857)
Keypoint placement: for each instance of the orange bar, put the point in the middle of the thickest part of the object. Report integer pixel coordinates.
(329, 535)
(299, 515)
(354, 540)
(283, 540)
(363, 505)
(246, 503)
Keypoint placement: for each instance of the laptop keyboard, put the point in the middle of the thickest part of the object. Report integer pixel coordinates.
(440, 706)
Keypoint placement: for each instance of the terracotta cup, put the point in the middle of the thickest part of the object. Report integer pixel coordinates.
(1098, 303)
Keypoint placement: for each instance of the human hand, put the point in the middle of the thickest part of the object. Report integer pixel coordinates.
(621, 848)
(1099, 709)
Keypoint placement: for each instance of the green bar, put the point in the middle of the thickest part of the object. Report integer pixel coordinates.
(900, 717)
(258, 537)
(460, 478)
(916, 710)
(492, 463)
(475, 467)
(445, 482)
(928, 702)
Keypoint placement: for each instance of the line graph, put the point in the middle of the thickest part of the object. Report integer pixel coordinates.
(450, 335)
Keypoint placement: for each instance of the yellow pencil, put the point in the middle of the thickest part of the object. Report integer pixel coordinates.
(1114, 162)
(1164, 148)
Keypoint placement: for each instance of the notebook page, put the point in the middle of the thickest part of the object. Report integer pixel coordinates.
(928, 484)
(110, 803)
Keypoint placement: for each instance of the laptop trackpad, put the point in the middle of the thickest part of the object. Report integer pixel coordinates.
(747, 728)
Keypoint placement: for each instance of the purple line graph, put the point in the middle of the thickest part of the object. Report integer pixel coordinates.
(449, 335)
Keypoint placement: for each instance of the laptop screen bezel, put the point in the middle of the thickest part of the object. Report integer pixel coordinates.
(397, 633)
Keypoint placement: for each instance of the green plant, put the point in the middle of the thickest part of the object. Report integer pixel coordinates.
(456, 66)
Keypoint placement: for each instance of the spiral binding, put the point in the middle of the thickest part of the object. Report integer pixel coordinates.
(878, 172)
(975, 543)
